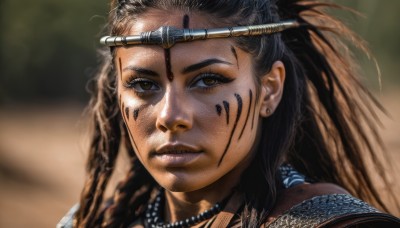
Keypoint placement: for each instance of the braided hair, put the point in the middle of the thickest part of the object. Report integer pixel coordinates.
(320, 127)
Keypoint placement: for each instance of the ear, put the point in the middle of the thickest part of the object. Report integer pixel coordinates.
(272, 89)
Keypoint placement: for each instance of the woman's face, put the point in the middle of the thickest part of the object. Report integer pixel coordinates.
(191, 111)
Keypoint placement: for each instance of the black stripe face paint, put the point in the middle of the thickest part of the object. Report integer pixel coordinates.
(127, 127)
(120, 68)
(235, 54)
(167, 56)
(186, 21)
(219, 109)
(167, 53)
(238, 114)
(248, 112)
(120, 74)
(127, 112)
(135, 114)
(125, 109)
(226, 106)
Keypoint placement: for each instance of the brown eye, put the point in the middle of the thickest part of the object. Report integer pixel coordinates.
(142, 85)
(145, 85)
(209, 81)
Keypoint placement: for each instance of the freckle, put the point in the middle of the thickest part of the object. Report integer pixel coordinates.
(135, 114)
(127, 112)
(226, 106)
(219, 109)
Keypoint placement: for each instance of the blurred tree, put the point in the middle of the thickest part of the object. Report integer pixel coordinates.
(47, 48)
(380, 28)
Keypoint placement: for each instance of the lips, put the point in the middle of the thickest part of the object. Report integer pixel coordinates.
(176, 155)
(176, 149)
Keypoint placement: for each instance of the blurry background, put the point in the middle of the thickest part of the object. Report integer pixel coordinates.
(47, 55)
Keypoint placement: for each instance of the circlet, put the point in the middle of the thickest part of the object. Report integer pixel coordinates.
(167, 36)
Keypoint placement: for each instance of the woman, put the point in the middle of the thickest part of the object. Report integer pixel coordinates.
(256, 129)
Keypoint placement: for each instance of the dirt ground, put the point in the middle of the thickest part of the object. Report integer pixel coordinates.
(42, 160)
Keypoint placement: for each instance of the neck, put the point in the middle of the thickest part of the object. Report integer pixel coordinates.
(182, 205)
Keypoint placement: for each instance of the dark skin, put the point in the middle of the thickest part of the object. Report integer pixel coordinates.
(248, 112)
(177, 136)
(238, 114)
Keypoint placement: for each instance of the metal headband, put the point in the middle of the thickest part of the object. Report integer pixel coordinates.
(167, 36)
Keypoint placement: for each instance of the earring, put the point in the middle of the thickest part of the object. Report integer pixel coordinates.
(268, 111)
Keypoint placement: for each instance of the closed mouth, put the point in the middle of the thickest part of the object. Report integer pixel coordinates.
(176, 155)
(177, 152)
(175, 149)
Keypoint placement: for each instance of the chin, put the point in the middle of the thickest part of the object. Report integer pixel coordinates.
(180, 183)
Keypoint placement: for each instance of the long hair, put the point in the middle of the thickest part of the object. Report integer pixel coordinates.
(320, 127)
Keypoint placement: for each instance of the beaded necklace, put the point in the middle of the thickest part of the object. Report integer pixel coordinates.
(154, 220)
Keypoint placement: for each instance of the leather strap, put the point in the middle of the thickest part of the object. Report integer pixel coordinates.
(226, 215)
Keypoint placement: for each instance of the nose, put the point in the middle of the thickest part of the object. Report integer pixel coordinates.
(175, 115)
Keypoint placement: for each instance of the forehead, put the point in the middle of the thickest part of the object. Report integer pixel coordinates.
(189, 51)
(154, 18)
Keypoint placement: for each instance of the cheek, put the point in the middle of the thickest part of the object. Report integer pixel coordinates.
(135, 118)
(239, 120)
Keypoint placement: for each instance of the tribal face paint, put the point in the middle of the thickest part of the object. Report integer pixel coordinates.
(238, 114)
(226, 107)
(235, 54)
(135, 114)
(219, 109)
(167, 53)
(191, 129)
(186, 21)
(167, 57)
(248, 112)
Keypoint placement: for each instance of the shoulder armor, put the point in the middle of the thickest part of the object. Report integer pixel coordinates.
(328, 210)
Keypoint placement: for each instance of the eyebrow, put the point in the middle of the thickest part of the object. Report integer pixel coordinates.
(203, 64)
(141, 71)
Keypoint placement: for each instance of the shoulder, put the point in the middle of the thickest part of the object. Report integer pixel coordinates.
(324, 204)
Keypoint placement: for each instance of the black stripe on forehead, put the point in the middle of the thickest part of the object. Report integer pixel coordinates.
(168, 67)
(186, 21)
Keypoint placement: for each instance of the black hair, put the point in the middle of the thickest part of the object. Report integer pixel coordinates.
(320, 127)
